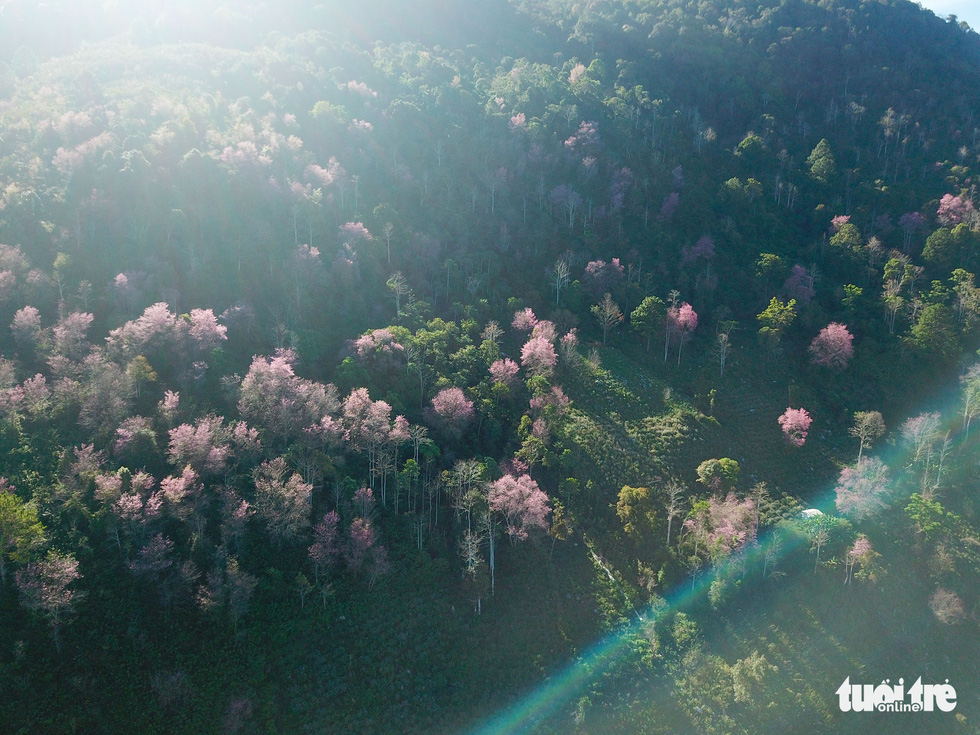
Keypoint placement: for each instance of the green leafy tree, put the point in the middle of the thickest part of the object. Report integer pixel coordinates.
(775, 320)
(753, 151)
(821, 161)
(326, 112)
(868, 426)
(826, 532)
(940, 249)
(648, 317)
(851, 294)
(140, 372)
(636, 511)
(21, 532)
(847, 238)
(934, 332)
(770, 269)
(930, 519)
(720, 475)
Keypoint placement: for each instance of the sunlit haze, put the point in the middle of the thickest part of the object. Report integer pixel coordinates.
(489, 366)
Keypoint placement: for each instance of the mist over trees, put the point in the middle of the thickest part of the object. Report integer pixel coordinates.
(305, 312)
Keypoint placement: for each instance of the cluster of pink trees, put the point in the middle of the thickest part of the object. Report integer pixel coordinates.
(953, 210)
(601, 277)
(276, 404)
(538, 354)
(205, 446)
(282, 403)
(160, 332)
(369, 427)
(358, 548)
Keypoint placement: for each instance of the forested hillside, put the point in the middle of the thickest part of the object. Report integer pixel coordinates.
(449, 366)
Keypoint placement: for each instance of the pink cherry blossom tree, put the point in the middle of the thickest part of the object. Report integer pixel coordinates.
(601, 277)
(380, 349)
(832, 347)
(799, 285)
(205, 331)
(283, 404)
(522, 503)
(360, 542)
(546, 329)
(452, 410)
(185, 498)
(45, 589)
(953, 210)
(860, 554)
(862, 490)
(157, 330)
(69, 335)
(132, 515)
(703, 248)
(795, 423)
(504, 371)
(35, 395)
(206, 446)
(732, 523)
(354, 233)
(524, 320)
(538, 356)
(368, 426)
(681, 322)
(26, 327)
(134, 437)
(325, 550)
(169, 405)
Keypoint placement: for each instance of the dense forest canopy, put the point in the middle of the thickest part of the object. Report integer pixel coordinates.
(511, 366)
